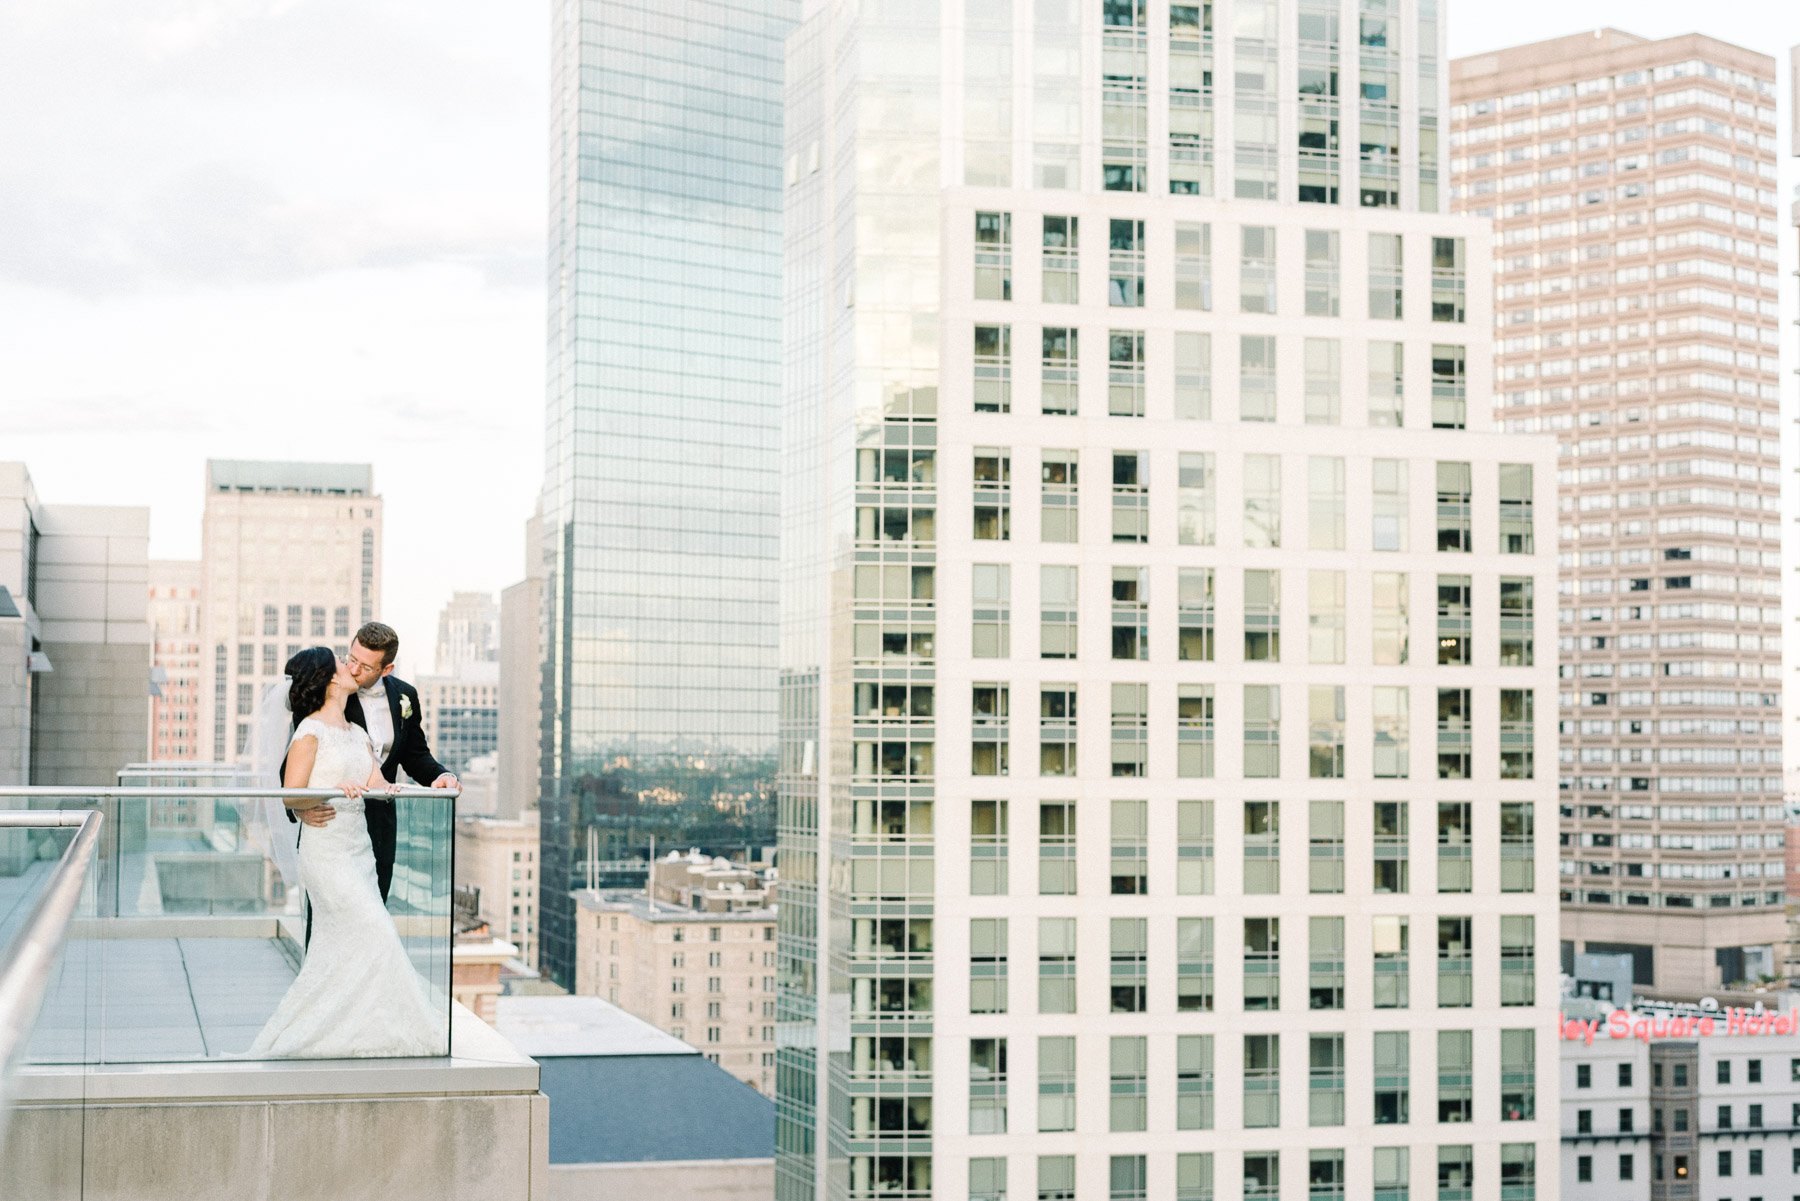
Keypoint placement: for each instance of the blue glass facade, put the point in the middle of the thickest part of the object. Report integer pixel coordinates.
(660, 491)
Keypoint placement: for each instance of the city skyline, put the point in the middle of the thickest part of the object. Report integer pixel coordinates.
(935, 416)
(410, 304)
(286, 255)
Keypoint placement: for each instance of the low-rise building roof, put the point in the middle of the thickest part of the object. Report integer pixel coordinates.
(651, 910)
(622, 1091)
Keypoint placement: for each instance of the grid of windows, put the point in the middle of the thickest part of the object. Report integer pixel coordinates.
(697, 600)
(1159, 657)
(1618, 198)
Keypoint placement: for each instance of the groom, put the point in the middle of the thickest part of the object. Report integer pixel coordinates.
(388, 708)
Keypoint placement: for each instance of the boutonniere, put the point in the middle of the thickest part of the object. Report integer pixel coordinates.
(406, 708)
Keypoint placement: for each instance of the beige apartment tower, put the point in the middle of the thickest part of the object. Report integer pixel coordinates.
(175, 659)
(290, 558)
(1632, 188)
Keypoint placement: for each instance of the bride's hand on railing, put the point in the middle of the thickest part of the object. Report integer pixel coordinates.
(353, 790)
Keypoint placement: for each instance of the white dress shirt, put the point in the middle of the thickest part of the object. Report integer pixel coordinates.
(378, 719)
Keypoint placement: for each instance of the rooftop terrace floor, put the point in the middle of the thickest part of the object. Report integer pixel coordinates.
(169, 998)
(156, 998)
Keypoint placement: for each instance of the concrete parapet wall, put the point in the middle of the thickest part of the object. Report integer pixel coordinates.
(464, 1148)
(472, 1127)
(688, 1180)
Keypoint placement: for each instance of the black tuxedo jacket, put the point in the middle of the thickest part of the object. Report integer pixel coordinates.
(410, 753)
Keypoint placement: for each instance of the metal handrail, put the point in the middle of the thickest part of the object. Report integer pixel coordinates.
(25, 971)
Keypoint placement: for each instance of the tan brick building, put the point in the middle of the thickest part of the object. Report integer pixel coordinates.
(695, 958)
(498, 857)
(175, 659)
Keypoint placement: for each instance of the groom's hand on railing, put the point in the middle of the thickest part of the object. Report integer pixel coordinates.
(447, 780)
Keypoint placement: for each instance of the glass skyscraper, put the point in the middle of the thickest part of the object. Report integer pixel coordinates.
(661, 425)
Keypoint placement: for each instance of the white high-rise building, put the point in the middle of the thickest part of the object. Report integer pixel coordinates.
(290, 558)
(1168, 660)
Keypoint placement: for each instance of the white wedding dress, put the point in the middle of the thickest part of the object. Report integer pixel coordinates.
(357, 993)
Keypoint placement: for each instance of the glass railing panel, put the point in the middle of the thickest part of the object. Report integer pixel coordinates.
(48, 978)
(196, 935)
(69, 1027)
(420, 897)
(28, 858)
(201, 848)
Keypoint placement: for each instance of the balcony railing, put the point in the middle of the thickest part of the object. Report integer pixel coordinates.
(31, 940)
(189, 936)
(160, 938)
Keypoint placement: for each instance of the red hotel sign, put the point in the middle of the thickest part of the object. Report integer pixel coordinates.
(1650, 1028)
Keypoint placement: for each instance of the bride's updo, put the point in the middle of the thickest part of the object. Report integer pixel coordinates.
(308, 672)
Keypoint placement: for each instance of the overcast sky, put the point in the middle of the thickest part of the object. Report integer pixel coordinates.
(314, 229)
(308, 229)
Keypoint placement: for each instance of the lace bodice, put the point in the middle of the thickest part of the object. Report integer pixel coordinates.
(344, 754)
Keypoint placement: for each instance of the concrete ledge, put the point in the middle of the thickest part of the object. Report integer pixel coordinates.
(345, 1149)
(689, 1180)
(470, 1127)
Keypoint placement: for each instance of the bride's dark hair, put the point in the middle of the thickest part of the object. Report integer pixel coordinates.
(308, 672)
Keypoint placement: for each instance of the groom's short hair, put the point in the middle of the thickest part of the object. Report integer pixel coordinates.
(381, 639)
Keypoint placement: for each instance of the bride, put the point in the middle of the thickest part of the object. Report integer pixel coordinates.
(356, 994)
